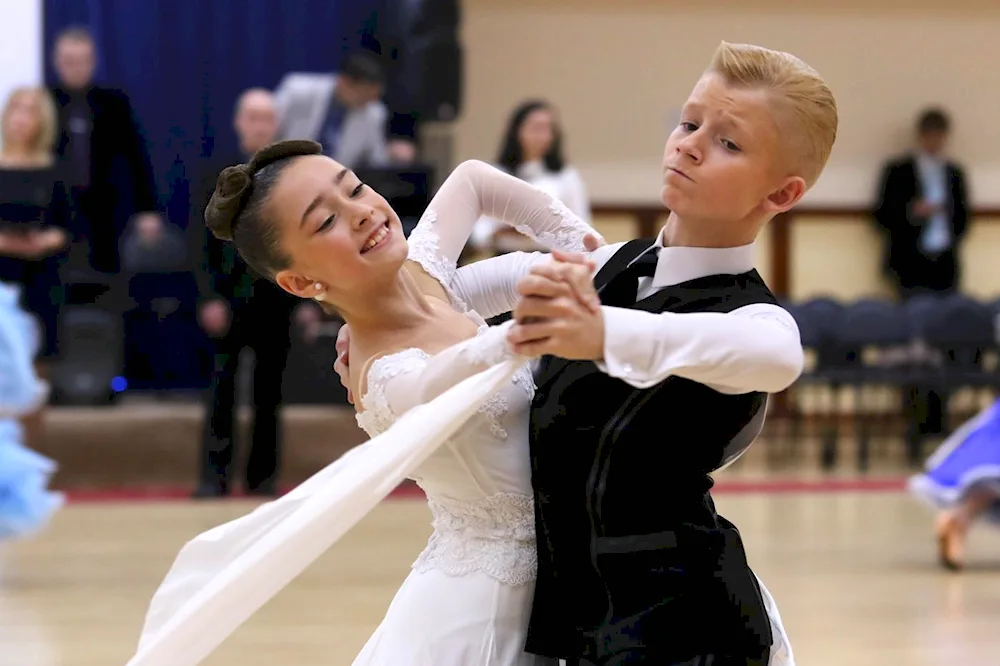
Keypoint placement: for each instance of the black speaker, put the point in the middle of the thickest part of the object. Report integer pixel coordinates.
(89, 369)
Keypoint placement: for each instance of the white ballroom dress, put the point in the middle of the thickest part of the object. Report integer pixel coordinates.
(456, 422)
(468, 596)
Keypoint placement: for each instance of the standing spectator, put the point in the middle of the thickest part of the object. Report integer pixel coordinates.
(342, 111)
(33, 199)
(923, 210)
(97, 128)
(241, 310)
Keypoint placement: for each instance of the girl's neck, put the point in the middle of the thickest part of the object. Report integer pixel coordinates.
(398, 306)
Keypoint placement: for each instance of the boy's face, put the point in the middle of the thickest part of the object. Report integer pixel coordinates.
(723, 162)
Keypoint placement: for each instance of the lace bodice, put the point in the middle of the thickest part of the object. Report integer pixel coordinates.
(378, 415)
(478, 483)
(495, 535)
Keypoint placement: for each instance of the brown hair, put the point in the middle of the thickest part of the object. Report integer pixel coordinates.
(236, 211)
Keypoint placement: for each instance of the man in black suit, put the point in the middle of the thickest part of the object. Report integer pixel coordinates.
(97, 129)
(924, 214)
(923, 211)
(241, 310)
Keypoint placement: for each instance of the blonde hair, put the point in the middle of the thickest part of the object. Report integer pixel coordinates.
(802, 96)
(45, 137)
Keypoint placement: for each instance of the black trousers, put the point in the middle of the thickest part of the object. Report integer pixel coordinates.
(261, 323)
(98, 224)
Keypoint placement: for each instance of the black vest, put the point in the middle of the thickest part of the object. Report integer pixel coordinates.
(631, 552)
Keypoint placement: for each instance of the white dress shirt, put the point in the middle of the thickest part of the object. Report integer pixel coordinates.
(753, 348)
(933, 174)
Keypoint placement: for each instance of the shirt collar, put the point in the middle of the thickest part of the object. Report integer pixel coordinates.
(680, 264)
(925, 160)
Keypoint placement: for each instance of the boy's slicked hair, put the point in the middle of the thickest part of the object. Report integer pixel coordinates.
(806, 106)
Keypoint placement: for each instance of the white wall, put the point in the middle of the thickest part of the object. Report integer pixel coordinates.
(618, 70)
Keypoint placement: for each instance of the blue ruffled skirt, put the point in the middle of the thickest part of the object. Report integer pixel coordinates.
(26, 504)
(968, 460)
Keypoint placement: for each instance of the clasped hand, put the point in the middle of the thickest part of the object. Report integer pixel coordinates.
(559, 313)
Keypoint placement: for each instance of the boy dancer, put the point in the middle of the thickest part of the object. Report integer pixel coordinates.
(639, 402)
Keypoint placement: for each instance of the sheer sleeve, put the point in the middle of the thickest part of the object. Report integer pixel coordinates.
(490, 286)
(475, 189)
(396, 383)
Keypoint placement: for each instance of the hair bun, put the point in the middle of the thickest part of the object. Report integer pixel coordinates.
(232, 189)
(235, 184)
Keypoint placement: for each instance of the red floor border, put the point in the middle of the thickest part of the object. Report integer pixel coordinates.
(763, 487)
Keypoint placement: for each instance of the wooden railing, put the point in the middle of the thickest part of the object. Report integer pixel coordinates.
(648, 218)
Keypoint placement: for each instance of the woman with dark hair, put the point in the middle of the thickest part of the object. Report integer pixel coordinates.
(532, 150)
(417, 325)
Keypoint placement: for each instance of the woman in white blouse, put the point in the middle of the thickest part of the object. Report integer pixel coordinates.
(532, 151)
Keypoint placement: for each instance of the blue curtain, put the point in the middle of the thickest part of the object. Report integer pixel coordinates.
(184, 62)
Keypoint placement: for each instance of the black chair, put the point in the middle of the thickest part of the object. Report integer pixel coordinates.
(871, 337)
(817, 321)
(963, 333)
(90, 365)
(995, 311)
(919, 309)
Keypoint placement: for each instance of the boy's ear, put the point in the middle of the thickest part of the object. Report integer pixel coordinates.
(786, 197)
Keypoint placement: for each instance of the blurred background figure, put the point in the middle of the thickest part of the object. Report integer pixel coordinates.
(924, 211)
(33, 197)
(108, 166)
(343, 111)
(152, 245)
(532, 150)
(962, 480)
(242, 311)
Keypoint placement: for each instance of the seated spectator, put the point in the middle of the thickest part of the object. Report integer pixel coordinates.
(151, 246)
(532, 150)
(342, 111)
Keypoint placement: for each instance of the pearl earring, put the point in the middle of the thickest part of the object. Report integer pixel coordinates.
(321, 292)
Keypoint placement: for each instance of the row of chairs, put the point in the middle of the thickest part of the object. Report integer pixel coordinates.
(927, 344)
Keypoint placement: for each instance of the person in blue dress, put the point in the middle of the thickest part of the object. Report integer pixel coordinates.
(26, 503)
(962, 481)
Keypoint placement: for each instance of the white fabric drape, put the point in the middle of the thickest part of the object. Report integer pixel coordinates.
(222, 576)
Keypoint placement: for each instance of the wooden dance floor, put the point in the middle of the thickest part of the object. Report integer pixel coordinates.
(854, 575)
